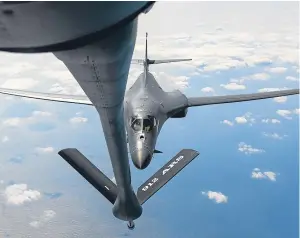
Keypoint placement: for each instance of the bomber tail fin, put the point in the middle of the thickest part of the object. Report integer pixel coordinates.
(146, 62)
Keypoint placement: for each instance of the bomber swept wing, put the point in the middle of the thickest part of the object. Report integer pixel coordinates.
(201, 101)
(77, 99)
(192, 101)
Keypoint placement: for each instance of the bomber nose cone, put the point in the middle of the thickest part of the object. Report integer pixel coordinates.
(141, 158)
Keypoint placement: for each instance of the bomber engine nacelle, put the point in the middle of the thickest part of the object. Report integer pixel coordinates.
(180, 114)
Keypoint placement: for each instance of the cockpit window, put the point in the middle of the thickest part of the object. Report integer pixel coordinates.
(145, 124)
(137, 124)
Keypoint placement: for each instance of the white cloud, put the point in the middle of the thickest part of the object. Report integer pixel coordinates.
(208, 90)
(9, 97)
(75, 120)
(196, 73)
(216, 48)
(296, 111)
(223, 66)
(270, 175)
(262, 90)
(257, 174)
(35, 224)
(15, 121)
(282, 99)
(45, 217)
(229, 123)
(284, 113)
(233, 80)
(248, 149)
(288, 113)
(63, 75)
(20, 83)
(41, 113)
(233, 86)
(218, 197)
(273, 121)
(5, 139)
(273, 135)
(18, 194)
(63, 82)
(169, 82)
(258, 76)
(291, 78)
(16, 68)
(48, 149)
(246, 118)
(21, 121)
(241, 120)
(277, 70)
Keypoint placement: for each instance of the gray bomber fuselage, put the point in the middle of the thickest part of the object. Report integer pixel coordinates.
(147, 107)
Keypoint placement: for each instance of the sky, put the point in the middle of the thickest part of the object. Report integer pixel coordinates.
(244, 182)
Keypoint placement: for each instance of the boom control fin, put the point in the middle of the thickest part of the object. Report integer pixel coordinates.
(91, 173)
(165, 174)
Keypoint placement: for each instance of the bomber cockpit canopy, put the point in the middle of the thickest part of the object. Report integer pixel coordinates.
(143, 123)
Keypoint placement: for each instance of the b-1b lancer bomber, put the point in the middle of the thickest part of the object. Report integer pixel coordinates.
(97, 49)
(146, 108)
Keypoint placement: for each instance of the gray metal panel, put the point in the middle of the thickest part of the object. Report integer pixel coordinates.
(38, 24)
